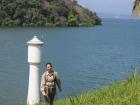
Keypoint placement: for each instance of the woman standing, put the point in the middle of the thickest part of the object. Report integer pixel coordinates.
(49, 80)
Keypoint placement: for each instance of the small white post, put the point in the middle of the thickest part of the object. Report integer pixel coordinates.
(34, 60)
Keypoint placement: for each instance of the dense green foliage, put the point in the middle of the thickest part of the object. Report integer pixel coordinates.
(125, 92)
(72, 19)
(45, 13)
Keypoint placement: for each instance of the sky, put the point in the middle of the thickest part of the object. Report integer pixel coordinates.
(123, 7)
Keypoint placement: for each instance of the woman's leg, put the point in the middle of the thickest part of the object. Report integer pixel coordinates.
(52, 95)
(47, 100)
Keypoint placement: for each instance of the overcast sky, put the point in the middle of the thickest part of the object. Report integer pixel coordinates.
(109, 6)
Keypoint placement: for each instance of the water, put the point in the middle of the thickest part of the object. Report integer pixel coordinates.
(87, 58)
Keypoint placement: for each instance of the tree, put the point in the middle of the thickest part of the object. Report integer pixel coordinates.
(136, 9)
(72, 19)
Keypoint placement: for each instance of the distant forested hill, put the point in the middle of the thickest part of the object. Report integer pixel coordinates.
(45, 13)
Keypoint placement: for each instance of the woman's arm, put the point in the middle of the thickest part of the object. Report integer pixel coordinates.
(42, 85)
(58, 81)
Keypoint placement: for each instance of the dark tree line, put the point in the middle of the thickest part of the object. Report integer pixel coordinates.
(41, 13)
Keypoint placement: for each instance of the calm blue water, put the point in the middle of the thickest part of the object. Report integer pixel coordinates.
(86, 57)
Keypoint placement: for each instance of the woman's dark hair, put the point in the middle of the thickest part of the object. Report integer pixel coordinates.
(49, 64)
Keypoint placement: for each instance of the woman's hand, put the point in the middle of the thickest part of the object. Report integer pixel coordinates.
(44, 94)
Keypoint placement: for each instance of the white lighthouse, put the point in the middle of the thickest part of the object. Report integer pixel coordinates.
(34, 60)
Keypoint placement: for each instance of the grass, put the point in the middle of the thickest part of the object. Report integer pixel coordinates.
(125, 92)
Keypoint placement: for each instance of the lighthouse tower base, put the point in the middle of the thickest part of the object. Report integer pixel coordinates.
(33, 87)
